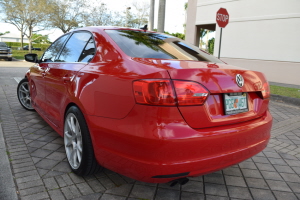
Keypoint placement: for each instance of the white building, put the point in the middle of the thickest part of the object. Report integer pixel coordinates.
(262, 35)
(12, 37)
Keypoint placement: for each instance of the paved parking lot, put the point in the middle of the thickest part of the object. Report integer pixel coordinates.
(38, 162)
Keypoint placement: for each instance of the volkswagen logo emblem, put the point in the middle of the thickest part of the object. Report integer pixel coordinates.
(239, 80)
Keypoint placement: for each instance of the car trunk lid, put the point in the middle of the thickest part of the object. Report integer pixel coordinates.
(220, 79)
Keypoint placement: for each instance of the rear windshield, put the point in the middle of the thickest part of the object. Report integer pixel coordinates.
(154, 45)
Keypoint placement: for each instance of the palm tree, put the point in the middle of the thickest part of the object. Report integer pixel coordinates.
(151, 40)
(185, 8)
(203, 33)
(208, 75)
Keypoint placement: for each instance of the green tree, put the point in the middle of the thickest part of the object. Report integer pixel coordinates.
(4, 33)
(14, 14)
(28, 16)
(40, 39)
(67, 14)
(178, 35)
(211, 45)
(150, 40)
(203, 33)
(185, 8)
(98, 15)
(136, 15)
(37, 15)
(141, 13)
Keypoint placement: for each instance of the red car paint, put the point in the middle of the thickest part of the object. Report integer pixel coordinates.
(145, 141)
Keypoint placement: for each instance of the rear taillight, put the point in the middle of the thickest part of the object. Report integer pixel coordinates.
(161, 92)
(154, 92)
(190, 93)
(265, 90)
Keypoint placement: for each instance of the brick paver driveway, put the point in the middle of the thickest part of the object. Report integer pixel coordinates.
(40, 169)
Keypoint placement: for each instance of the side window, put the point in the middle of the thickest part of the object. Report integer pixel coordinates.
(75, 46)
(53, 50)
(88, 52)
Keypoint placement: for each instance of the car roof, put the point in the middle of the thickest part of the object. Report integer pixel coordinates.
(98, 28)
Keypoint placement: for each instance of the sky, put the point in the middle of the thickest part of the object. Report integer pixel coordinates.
(174, 18)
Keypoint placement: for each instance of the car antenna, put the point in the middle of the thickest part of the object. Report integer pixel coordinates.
(145, 28)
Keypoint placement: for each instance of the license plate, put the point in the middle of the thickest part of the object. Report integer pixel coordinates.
(235, 103)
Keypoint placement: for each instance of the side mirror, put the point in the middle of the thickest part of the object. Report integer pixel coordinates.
(31, 57)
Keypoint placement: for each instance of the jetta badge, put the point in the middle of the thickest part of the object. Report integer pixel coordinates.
(239, 80)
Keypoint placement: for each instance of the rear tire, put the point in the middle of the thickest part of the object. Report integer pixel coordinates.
(23, 91)
(9, 59)
(78, 144)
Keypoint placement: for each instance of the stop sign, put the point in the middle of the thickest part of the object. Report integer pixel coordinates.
(222, 17)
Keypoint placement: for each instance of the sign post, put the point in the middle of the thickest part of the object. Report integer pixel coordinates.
(222, 20)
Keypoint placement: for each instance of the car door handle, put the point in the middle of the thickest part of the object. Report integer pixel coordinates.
(67, 78)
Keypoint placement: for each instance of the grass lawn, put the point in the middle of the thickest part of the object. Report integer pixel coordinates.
(19, 54)
(285, 91)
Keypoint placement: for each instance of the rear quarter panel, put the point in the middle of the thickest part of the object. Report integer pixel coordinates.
(104, 87)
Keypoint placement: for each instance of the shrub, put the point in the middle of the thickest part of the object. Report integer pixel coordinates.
(15, 45)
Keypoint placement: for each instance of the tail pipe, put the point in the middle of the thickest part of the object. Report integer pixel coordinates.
(181, 181)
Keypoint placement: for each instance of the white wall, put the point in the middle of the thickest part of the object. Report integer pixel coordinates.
(5, 39)
(8, 39)
(257, 29)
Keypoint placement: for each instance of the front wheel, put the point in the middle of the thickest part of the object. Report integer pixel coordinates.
(23, 91)
(78, 144)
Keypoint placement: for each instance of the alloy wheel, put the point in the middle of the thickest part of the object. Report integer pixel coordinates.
(24, 95)
(73, 140)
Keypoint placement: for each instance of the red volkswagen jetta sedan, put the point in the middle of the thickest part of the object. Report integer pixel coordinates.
(146, 105)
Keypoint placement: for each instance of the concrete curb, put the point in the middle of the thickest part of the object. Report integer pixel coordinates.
(7, 184)
(288, 100)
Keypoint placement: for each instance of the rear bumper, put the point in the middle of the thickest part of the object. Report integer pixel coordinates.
(162, 147)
